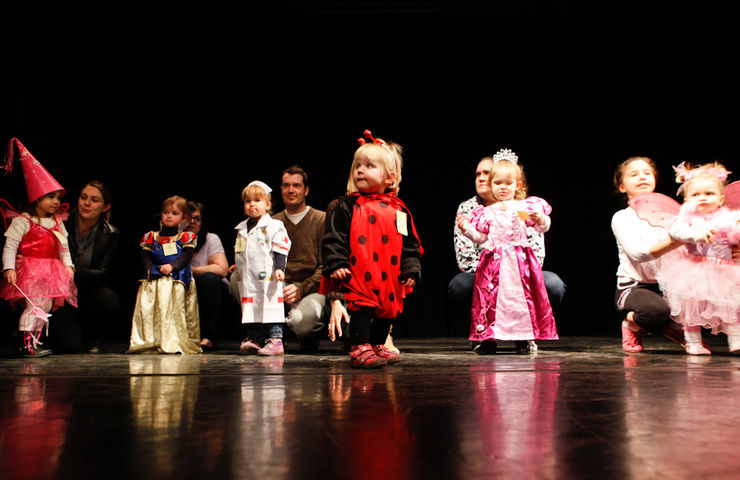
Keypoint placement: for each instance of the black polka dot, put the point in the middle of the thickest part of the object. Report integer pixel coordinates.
(362, 239)
(394, 260)
(392, 297)
(353, 260)
(383, 204)
(368, 276)
(384, 276)
(384, 238)
(375, 257)
(372, 219)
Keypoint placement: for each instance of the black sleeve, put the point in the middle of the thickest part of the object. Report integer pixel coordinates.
(280, 260)
(410, 253)
(184, 259)
(335, 245)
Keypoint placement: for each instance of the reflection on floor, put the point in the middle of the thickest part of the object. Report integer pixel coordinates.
(580, 408)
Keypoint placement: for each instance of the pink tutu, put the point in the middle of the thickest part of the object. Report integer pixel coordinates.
(701, 291)
(41, 278)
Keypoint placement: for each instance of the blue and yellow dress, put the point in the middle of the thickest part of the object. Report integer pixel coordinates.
(166, 318)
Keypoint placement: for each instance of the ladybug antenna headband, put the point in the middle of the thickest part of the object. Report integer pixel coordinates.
(370, 139)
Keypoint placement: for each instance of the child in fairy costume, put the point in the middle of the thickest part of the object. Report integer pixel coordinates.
(43, 279)
(509, 297)
(700, 281)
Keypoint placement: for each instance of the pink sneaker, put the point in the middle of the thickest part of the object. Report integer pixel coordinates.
(273, 346)
(384, 352)
(631, 341)
(248, 347)
(363, 356)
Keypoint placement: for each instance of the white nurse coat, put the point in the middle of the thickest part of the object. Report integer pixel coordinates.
(260, 293)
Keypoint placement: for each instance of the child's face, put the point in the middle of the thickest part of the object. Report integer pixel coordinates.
(48, 205)
(504, 185)
(172, 216)
(256, 207)
(638, 177)
(370, 176)
(705, 193)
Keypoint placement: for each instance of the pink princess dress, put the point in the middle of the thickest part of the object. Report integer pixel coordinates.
(700, 281)
(509, 297)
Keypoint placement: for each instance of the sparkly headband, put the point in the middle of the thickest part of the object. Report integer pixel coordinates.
(505, 154)
(684, 174)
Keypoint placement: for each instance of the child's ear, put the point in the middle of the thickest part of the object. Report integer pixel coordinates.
(391, 179)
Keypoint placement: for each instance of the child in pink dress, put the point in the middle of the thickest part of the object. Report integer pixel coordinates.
(700, 280)
(509, 297)
(44, 279)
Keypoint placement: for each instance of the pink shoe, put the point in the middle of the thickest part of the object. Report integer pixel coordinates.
(248, 347)
(363, 356)
(631, 341)
(273, 346)
(384, 352)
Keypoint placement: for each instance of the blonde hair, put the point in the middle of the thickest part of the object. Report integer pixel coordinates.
(259, 193)
(387, 154)
(714, 171)
(179, 202)
(505, 166)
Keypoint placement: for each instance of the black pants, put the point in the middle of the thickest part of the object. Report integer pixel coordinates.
(646, 301)
(366, 329)
(98, 315)
(212, 297)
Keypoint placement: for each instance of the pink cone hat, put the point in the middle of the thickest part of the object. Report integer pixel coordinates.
(39, 182)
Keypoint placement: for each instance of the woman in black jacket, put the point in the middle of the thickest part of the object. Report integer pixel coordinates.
(93, 243)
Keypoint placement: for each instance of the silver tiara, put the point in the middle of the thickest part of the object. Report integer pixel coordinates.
(505, 154)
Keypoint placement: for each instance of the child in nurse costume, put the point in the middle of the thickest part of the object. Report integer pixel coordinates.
(261, 252)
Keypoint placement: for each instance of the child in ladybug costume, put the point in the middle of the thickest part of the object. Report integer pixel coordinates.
(371, 253)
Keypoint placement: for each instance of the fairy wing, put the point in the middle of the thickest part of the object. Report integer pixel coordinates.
(732, 195)
(658, 209)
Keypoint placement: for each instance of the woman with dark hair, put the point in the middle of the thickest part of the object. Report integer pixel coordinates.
(209, 266)
(93, 243)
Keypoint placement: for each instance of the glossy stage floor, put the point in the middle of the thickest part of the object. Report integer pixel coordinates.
(579, 408)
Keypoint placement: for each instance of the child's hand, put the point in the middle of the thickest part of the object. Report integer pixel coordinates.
(279, 275)
(166, 269)
(341, 274)
(409, 282)
(461, 223)
(338, 313)
(709, 236)
(537, 218)
(71, 273)
(232, 269)
(10, 276)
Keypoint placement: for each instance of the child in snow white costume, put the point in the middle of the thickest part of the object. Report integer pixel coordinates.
(701, 284)
(166, 318)
(44, 278)
(509, 297)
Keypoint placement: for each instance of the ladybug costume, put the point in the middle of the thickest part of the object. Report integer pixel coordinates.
(362, 235)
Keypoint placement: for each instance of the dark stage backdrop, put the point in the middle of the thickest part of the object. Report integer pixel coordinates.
(156, 109)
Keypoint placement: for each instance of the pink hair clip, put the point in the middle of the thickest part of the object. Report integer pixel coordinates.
(685, 173)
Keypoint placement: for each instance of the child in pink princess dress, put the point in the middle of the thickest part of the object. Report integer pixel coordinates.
(700, 281)
(44, 278)
(509, 297)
